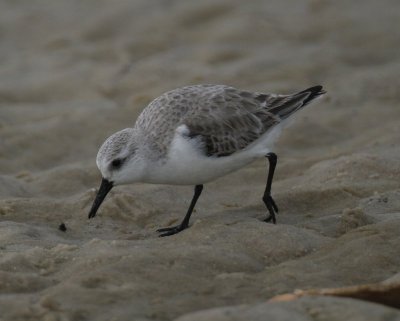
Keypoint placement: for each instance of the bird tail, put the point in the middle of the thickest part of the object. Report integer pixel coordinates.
(285, 105)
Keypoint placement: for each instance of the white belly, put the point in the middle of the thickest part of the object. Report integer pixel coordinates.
(186, 164)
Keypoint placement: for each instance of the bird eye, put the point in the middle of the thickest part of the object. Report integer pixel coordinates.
(116, 163)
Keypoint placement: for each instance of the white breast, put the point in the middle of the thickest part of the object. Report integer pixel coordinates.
(186, 163)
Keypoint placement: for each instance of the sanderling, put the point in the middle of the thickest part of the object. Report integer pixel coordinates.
(195, 134)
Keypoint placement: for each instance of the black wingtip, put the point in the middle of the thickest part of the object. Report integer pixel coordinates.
(314, 92)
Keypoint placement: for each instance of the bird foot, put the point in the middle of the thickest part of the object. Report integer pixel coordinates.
(272, 209)
(167, 231)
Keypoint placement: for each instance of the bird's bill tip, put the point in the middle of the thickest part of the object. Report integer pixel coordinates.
(105, 187)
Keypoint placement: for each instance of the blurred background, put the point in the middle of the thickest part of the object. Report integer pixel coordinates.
(73, 72)
(67, 62)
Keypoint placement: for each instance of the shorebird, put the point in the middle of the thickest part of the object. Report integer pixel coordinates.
(195, 134)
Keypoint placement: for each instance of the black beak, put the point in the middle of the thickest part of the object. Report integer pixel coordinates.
(105, 187)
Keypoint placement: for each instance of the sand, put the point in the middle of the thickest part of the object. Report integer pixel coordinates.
(73, 72)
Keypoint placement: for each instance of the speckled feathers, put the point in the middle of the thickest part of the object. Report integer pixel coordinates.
(223, 118)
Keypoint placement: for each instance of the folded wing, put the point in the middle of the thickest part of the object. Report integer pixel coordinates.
(234, 119)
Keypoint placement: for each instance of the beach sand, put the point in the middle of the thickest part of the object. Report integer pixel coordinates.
(73, 72)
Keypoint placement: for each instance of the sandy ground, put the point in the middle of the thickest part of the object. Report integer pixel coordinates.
(73, 72)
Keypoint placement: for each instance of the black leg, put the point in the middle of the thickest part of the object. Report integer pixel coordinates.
(267, 198)
(185, 223)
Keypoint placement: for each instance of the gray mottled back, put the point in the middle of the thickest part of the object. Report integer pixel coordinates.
(163, 115)
(224, 118)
